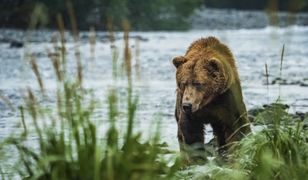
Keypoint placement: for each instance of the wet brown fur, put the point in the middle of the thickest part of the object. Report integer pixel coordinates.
(207, 78)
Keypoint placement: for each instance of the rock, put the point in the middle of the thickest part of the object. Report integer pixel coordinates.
(281, 81)
(13, 43)
(283, 106)
(301, 115)
(303, 84)
(16, 44)
(140, 38)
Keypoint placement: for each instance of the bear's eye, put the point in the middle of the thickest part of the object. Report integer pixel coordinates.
(214, 75)
(197, 85)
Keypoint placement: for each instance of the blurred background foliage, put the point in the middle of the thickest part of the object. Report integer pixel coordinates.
(281, 5)
(143, 15)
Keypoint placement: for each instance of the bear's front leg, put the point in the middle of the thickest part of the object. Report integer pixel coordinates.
(219, 133)
(191, 134)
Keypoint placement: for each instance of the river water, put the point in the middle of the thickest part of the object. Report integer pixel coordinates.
(252, 48)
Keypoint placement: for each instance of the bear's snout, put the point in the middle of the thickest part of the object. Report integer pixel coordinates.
(187, 107)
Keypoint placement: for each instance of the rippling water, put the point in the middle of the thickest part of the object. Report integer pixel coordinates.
(156, 86)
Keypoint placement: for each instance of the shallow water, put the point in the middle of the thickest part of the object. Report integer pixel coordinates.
(156, 85)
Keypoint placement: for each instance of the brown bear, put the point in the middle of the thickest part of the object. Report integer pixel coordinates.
(209, 92)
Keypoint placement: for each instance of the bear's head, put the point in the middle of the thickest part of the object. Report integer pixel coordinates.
(202, 74)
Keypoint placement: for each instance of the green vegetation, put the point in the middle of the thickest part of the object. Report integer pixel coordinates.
(64, 141)
(278, 151)
(143, 15)
(69, 144)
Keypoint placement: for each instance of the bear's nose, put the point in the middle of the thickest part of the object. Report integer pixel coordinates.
(187, 107)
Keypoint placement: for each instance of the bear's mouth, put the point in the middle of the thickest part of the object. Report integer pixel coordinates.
(187, 108)
(191, 111)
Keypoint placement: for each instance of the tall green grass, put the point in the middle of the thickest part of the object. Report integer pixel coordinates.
(67, 142)
(279, 151)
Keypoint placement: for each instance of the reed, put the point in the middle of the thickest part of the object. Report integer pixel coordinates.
(68, 144)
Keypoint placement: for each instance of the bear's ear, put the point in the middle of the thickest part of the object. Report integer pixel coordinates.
(213, 65)
(178, 61)
(213, 68)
